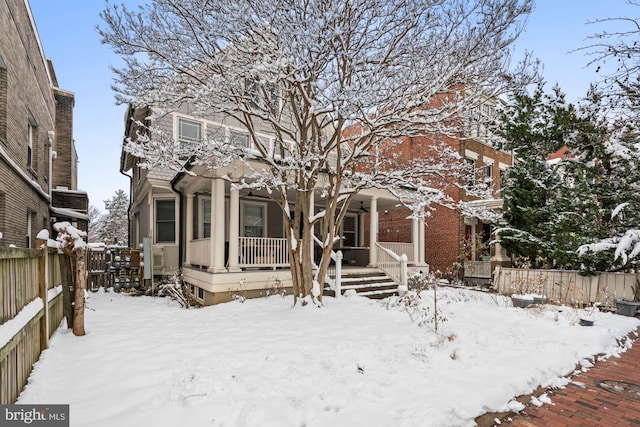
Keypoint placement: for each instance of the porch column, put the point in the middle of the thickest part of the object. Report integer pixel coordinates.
(189, 230)
(217, 221)
(415, 239)
(373, 232)
(234, 228)
(423, 243)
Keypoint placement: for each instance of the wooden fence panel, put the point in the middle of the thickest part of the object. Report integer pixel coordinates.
(18, 280)
(17, 359)
(566, 286)
(20, 285)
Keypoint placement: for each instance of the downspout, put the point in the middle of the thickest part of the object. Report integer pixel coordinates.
(182, 222)
(182, 209)
(129, 207)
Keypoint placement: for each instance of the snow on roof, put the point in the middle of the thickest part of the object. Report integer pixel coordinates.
(66, 190)
(70, 213)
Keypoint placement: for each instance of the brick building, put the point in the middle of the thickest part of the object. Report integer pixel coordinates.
(451, 239)
(37, 153)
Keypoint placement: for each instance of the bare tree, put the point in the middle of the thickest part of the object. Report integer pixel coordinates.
(340, 84)
(615, 53)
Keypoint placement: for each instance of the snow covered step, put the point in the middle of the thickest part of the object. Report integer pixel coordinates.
(371, 283)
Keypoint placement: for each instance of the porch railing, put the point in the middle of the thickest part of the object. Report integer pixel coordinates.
(263, 252)
(393, 264)
(200, 252)
(400, 248)
(479, 269)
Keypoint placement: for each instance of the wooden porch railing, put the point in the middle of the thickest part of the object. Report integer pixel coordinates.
(263, 252)
(200, 252)
(400, 248)
(393, 264)
(477, 269)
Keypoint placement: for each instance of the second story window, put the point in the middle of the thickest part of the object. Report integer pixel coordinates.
(32, 138)
(240, 139)
(488, 178)
(471, 172)
(189, 130)
(3, 101)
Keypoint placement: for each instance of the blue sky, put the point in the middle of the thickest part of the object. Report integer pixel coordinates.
(67, 31)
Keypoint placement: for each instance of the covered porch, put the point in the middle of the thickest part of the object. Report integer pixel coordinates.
(229, 234)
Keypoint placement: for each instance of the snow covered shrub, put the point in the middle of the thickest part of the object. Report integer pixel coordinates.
(275, 287)
(173, 287)
(421, 308)
(238, 294)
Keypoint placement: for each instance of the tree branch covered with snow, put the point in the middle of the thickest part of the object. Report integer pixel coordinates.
(340, 86)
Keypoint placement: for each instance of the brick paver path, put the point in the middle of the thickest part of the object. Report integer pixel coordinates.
(608, 394)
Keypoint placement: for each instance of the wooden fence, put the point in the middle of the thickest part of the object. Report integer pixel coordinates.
(566, 286)
(31, 309)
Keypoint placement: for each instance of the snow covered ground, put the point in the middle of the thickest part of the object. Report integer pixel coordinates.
(145, 361)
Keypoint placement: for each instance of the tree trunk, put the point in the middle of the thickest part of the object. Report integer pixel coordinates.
(67, 278)
(80, 286)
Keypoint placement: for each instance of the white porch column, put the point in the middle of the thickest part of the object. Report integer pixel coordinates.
(415, 239)
(234, 229)
(423, 243)
(216, 263)
(189, 230)
(373, 232)
(500, 254)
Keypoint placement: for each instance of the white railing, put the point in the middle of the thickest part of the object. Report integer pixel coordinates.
(200, 252)
(393, 264)
(263, 252)
(478, 269)
(400, 248)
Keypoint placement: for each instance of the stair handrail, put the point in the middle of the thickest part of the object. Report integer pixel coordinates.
(336, 284)
(402, 260)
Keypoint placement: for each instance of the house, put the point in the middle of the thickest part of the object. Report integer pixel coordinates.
(38, 161)
(229, 241)
(458, 245)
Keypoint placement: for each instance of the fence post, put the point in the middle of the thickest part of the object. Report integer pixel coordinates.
(403, 270)
(43, 282)
(338, 260)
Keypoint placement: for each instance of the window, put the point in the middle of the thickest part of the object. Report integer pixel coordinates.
(253, 220)
(349, 231)
(29, 226)
(29, 145)
(189, 130)
(255, 98)
(165, 221)
(3, 101)
(205, 213)
(471, 172)
(240, 139)
(32, 143)
(488, 179)
(201, 294)
(503, 177)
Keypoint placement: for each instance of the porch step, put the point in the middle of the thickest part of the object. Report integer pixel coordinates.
(372, 284)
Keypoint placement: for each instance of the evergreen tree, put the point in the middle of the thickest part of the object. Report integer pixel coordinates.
(612, 167)
(115, 221)
(96, 220)
(534, 126)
